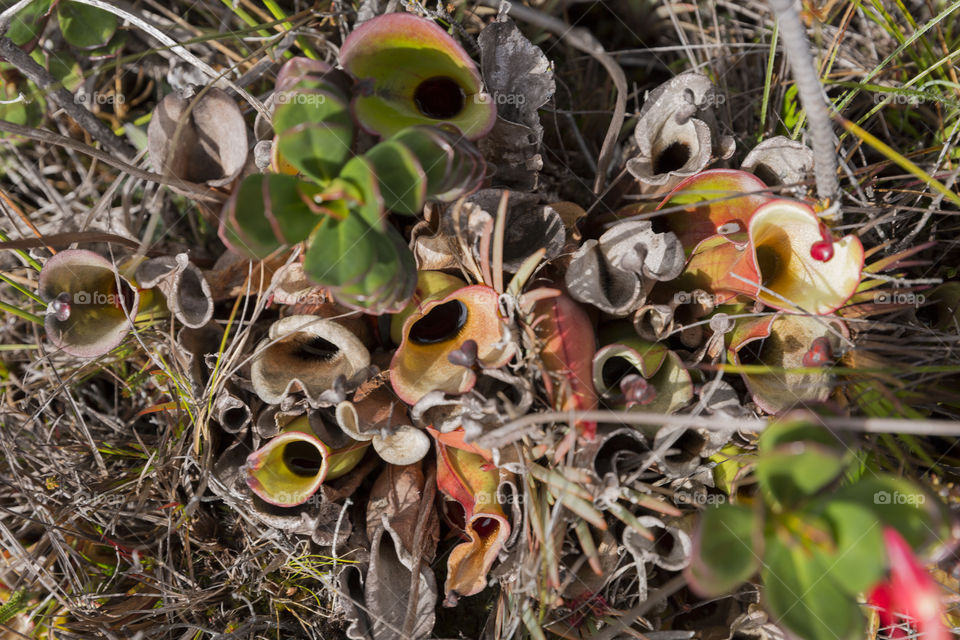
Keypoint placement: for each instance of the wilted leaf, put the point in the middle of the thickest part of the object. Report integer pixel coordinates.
(677, 132)
(185, 289)
(394, 513)
(519, 79)
(200, 138)
(616, 272)
(306, 353)
(780, 160)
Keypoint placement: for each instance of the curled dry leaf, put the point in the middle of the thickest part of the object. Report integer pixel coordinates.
(519, 80)
(616, 272)
(377, 416)
(655, 322)
(440, 326)
(677, 133)
(290, 467)
(394, 513)
(468, 479)
(231, 412)
(200, 138)
(90, 306)
(779, 161)
(528, 226)
(183, 286)
(785, 342)
(306, 353)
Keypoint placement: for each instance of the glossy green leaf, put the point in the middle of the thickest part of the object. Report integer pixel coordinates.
(360, 173)
(84, 26)
(340, 252)
(897, 503)
(29, 21)
(244, 228)
(793, 472)
(434, 153)
(727, 548)
(27, 111)
(314, 132)
(856, 561)
(403, 183)
(799, 597)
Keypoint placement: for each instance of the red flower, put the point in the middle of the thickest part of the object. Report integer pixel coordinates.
(909, 594)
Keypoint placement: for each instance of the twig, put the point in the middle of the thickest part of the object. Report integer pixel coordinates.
(581, 39)
(624, 622)
(10, 13)
(517, 429)
(423, 519)
(42, 135)
(797, 47)
(63, 98)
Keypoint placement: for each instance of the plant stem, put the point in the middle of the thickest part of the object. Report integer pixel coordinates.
(797, 47)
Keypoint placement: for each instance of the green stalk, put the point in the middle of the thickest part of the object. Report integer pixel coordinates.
(26, 315)
(768, 80)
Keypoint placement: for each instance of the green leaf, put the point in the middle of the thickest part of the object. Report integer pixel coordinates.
(797, 459)
(403, 183)
(254, 228)
(84, 26)
(797, 594)
(897, 503)
(28, 22)
(391, 280)
(285, 208)
(794, 430)
(856, 562)
(360, 173)
(28, 111)
(794, 472)
(727, 548)
(434, 153)
(314, 131)
(340, 252)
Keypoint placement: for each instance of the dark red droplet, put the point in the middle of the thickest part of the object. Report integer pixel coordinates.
(822, 250)
(485, 527)
(636, 390)
(819, 354)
